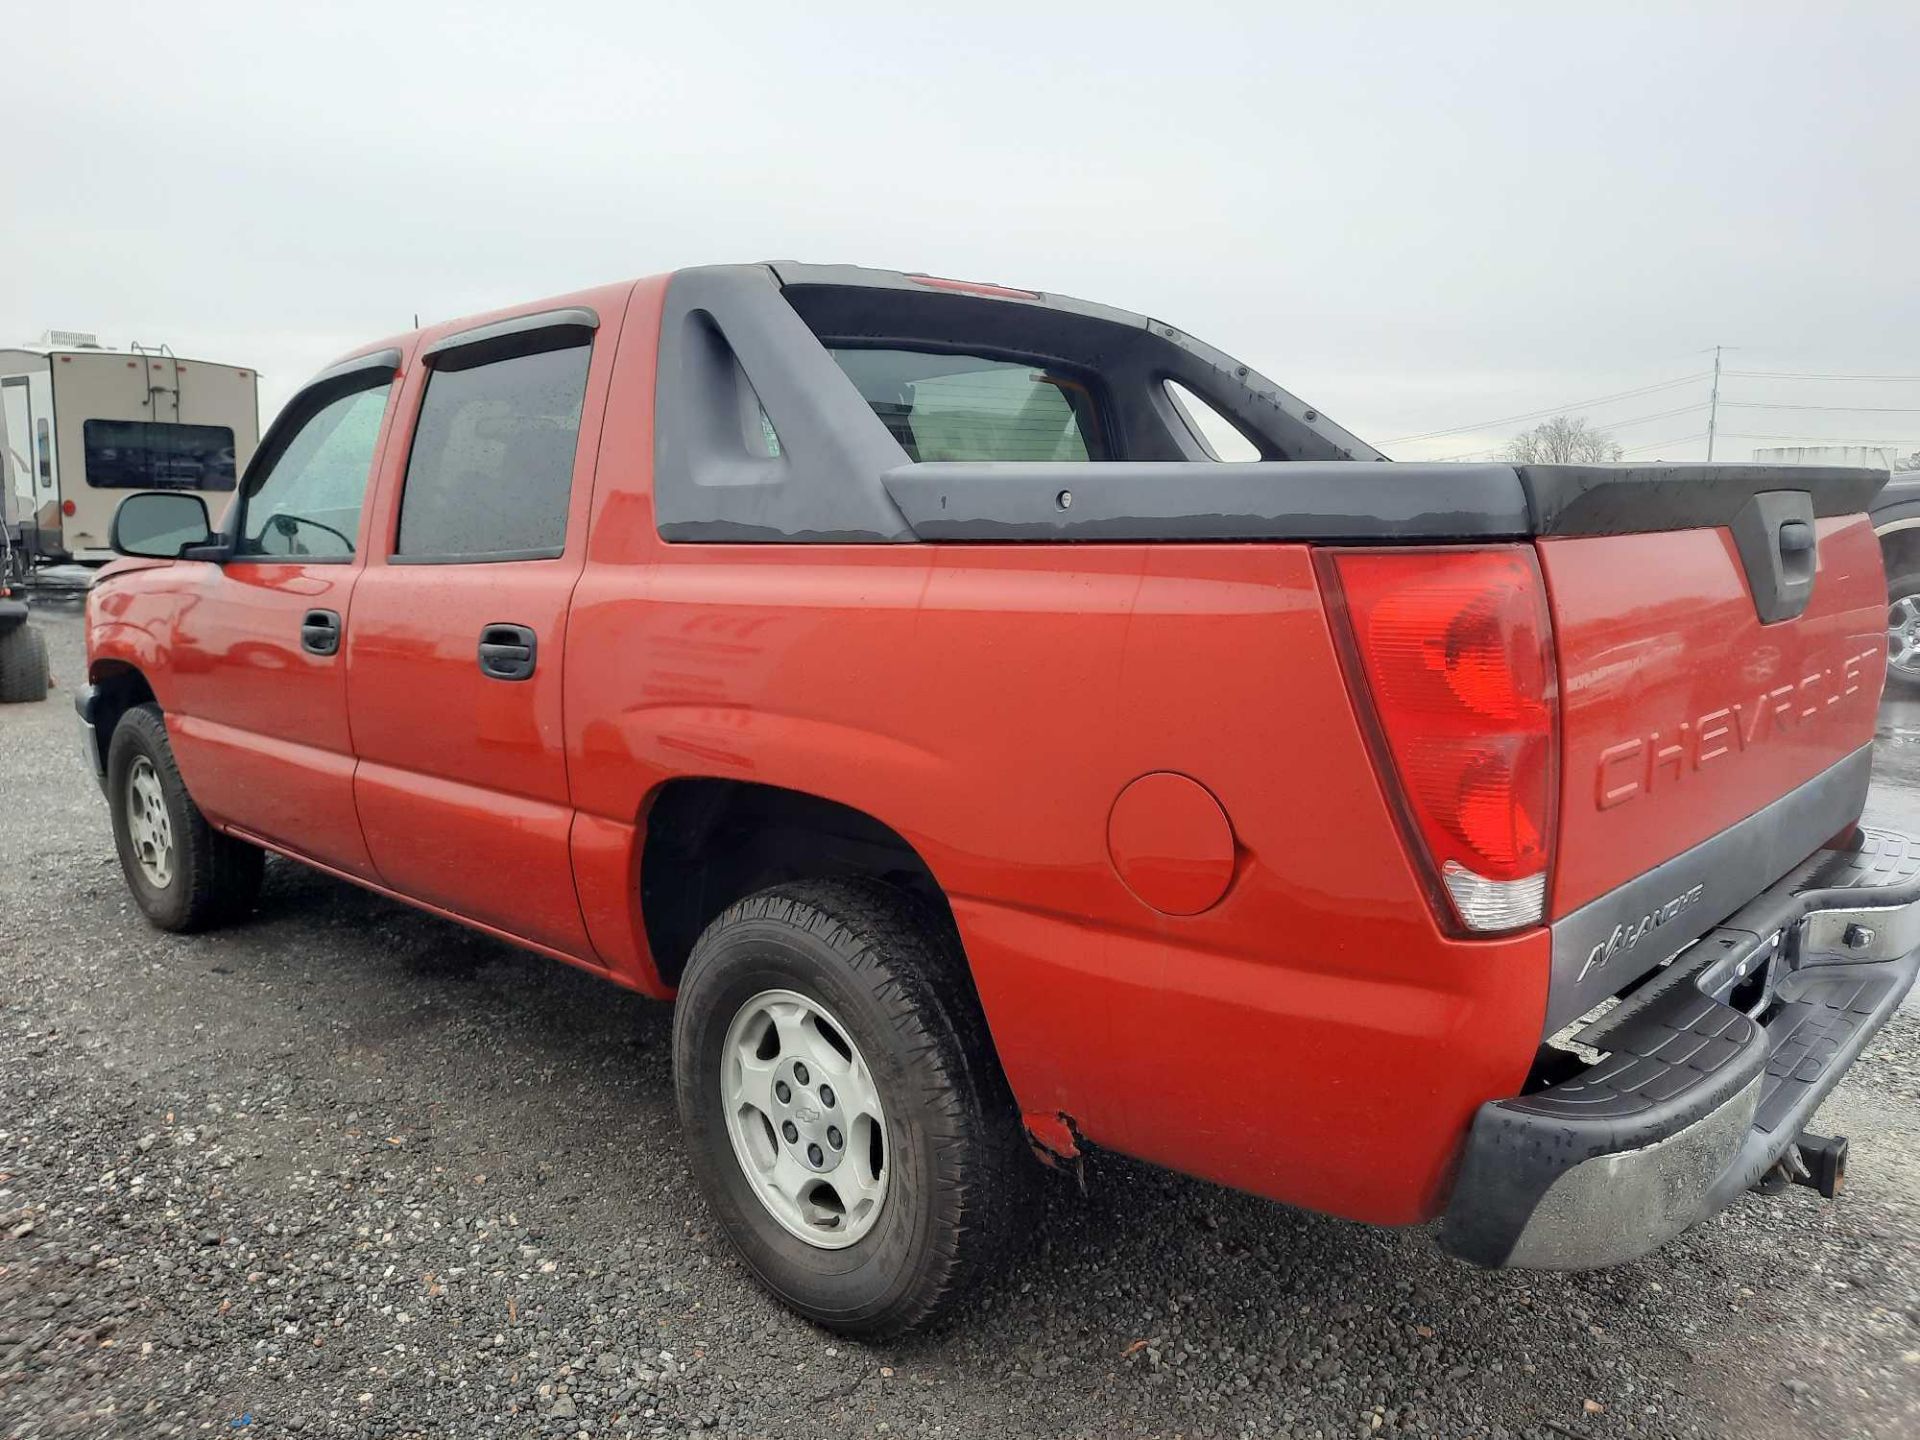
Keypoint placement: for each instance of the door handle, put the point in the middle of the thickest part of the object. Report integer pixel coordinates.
(508, 652)
(320, 632)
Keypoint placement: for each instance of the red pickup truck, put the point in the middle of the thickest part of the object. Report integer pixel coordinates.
(891, 671)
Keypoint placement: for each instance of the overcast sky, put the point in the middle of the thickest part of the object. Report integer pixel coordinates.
(1416, 220)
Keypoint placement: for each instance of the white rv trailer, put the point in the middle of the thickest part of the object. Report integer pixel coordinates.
(83, 427)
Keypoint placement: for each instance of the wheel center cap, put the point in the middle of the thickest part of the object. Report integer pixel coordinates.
(808, 1116)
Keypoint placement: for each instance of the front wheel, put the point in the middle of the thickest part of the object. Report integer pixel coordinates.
(184, 874)
(844, 1113)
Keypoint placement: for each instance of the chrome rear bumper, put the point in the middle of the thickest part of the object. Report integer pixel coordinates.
(1711, 1071)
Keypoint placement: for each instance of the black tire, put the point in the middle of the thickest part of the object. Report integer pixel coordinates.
(1903, 587)
(213, 879)
(961, 1175)
(23, 664)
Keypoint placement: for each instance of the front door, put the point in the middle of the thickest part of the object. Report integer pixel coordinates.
(258, 710)
(457, 643)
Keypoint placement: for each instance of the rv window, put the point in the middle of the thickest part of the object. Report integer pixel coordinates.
(307, 503)
(972, 407)
(157, 455)
(491, 469)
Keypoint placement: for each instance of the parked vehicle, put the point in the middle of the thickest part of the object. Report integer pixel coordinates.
(1896, 520)
(23, 649)
(81, 426)
(885, 668)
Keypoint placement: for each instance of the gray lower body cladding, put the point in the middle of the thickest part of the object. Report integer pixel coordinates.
(1710, 1073)
(1611, 941)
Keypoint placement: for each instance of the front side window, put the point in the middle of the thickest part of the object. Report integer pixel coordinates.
(492, 464)
(306, 502)
(157, 455)
(972, 407)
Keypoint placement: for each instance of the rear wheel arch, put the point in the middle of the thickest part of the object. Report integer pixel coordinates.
(708, 843)
(1901, 550)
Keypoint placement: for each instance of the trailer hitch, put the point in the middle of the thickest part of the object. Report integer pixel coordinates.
(1817, 1161)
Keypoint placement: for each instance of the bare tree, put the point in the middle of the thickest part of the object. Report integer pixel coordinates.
(1563, 440)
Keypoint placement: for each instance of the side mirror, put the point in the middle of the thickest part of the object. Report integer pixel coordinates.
(160, 527)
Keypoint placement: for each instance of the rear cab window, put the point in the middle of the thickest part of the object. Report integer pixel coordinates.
(942, 406)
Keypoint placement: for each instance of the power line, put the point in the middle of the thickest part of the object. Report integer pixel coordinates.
(1848, 409)
(1814, 375)
(1615, 425)
(1658, 415)
(1821, 439)
(1552, 410)
(1675, 440)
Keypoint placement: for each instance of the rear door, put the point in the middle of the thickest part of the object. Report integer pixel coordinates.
(259, 707)
(458, 638)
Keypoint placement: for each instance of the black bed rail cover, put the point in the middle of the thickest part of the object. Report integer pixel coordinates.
(1345, 501)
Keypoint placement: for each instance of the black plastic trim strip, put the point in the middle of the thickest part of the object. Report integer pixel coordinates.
(516, 335)
(492, 557)
(1631, 499)
(1729, 869)
(1322, 500)
(1336, 500)
(388, 360)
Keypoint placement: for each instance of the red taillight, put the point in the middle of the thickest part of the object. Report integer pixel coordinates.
(1453, 651)
(68, 508)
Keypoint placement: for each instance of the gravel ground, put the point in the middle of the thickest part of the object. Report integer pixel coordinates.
(351, 1171)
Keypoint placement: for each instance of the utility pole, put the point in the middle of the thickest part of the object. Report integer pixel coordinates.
(1713, 404)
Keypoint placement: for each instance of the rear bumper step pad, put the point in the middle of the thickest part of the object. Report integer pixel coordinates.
(1696, 1099)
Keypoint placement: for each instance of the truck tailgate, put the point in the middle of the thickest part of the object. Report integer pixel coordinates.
(1684, 713)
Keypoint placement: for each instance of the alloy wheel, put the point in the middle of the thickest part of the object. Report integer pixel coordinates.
(1903, 635)
(805, 1118)
(149, 825)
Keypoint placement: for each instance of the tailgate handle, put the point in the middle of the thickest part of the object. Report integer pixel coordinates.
(1778, 547)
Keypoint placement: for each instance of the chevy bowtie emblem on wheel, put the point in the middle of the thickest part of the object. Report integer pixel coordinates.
(1625, 937)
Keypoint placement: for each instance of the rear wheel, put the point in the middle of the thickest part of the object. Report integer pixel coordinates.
(23, 664)
(844, 1113)
(1903, 629)
(184, 874)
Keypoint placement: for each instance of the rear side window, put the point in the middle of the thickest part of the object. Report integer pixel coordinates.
(973, 407)
(157, 455)
(491, 469)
